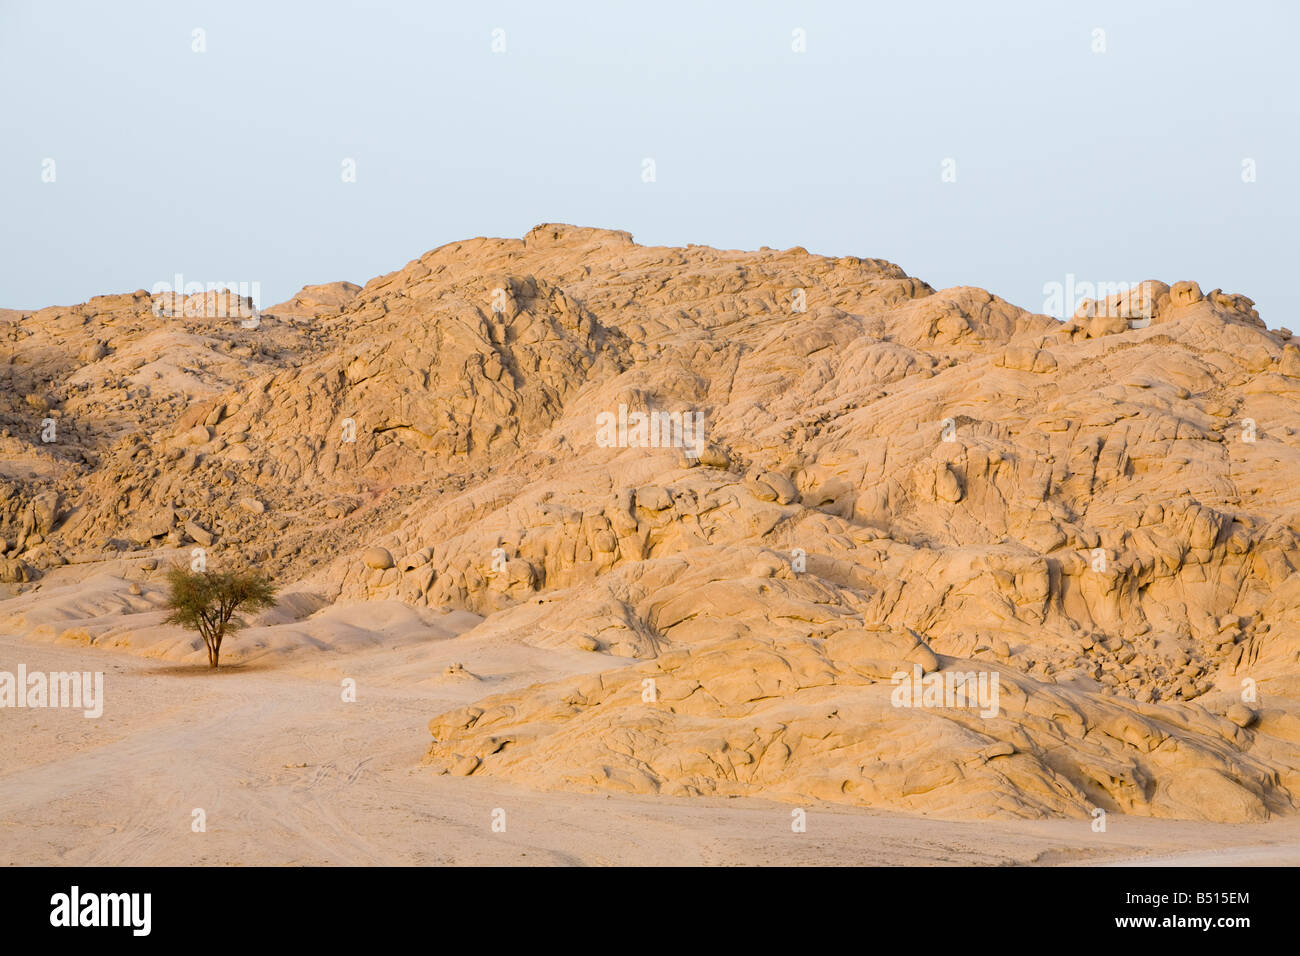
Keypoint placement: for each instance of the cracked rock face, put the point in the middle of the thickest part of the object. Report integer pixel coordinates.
(772, 490)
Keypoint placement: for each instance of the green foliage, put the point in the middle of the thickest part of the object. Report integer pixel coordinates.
(206, 601)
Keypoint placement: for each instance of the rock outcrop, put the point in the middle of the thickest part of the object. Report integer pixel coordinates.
(763, 484)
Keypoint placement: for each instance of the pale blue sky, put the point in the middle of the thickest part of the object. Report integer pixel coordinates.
(225, 165)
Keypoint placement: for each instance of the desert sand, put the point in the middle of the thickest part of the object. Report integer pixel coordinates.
(644, 646)
(287, 774)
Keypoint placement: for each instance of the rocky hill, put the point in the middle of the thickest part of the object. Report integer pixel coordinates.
(758, 484)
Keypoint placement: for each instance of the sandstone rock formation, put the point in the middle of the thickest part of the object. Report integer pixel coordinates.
(760, 484)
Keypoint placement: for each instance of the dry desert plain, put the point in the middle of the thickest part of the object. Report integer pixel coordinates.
(516, 627)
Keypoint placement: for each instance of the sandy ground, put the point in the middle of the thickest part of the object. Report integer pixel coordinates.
(288, 773)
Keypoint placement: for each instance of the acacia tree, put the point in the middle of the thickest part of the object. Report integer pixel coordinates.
(205, 601)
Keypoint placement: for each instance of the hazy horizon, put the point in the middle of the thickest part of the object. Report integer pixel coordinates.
(1072, 152)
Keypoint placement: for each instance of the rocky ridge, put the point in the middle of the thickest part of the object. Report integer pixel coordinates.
(891, 478)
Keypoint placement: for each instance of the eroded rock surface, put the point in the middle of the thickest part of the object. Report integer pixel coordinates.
(854, 476)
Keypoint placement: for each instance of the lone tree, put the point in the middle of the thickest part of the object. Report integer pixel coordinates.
(205, 601)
